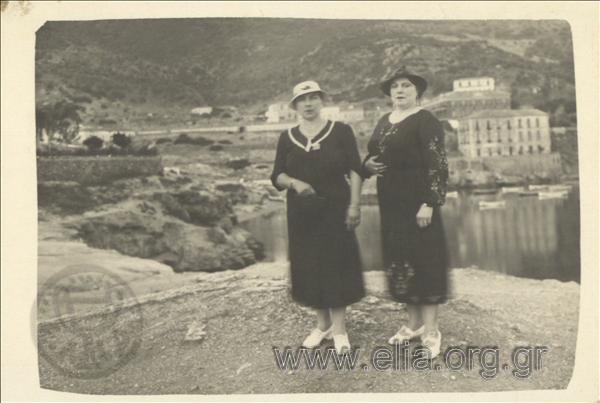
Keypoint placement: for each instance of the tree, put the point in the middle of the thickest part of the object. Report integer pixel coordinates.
(122, 140)
(93, 143)
(59, 118)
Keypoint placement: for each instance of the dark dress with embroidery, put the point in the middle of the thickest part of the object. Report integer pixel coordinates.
(324, 258)
(417, 172)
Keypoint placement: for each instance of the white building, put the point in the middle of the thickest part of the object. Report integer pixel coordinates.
(473, 84)
(203, 110)
(280, 112)
(345, 113)
(504, 132)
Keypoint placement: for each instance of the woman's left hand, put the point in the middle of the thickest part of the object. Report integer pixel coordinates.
(424, 215)
(353, 217)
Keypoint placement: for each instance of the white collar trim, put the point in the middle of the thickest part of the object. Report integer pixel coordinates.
(310, 144)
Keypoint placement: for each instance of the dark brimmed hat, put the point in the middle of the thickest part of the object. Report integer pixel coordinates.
(402, 72)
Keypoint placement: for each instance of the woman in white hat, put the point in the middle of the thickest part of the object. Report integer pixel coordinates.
(406, 152)
(313, 162)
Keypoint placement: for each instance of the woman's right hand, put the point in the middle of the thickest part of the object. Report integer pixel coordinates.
(374, 167)
(302, 188)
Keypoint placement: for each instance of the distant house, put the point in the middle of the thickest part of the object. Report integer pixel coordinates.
(504, 132)
(473, 84)
(202, 110)
(280, 112)
(345, 113)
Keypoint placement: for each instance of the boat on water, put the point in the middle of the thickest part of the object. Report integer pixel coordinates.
(452, 195)
(485, 191)
(489, 205)
(512, 189)
(561, 194)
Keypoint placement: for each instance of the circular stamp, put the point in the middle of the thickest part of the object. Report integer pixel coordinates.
(96, 326)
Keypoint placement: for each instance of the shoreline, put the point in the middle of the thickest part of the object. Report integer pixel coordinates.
(57, 250)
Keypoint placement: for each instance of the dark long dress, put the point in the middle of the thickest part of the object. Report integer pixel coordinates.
(417, 172)
(324, 257)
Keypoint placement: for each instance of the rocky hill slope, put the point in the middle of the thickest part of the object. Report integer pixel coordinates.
(143, 66)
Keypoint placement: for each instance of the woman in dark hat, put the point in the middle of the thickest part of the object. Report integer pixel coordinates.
(406, 153)
(313, 162)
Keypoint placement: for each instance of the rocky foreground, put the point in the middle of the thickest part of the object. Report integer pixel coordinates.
(214, 333)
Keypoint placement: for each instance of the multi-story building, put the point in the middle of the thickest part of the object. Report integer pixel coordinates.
(504, 132)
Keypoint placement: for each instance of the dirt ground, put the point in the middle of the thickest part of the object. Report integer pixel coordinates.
(242, 316)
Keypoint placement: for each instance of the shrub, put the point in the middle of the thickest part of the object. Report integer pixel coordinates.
(146, 149)
(216, 147)
(65, 197)
(225, 142)
(183, 138)
(93, 143)
(163, 140)
(121, 139)
(82, 99)
(107, 122)
(238, 164)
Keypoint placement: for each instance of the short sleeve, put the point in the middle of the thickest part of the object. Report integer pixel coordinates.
(350, 150)
(280, 159)
(431, 136)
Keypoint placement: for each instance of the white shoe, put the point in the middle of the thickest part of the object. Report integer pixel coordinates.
(341, 342)
(406, 334)
(433, 341)
(315, 337)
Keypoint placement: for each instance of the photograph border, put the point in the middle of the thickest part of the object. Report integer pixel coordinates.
(20, 21)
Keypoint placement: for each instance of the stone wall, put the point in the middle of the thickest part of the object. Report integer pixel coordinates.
(548, 165)
(485, 171)
(97, 169)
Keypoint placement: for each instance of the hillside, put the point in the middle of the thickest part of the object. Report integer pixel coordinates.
(124, 69)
